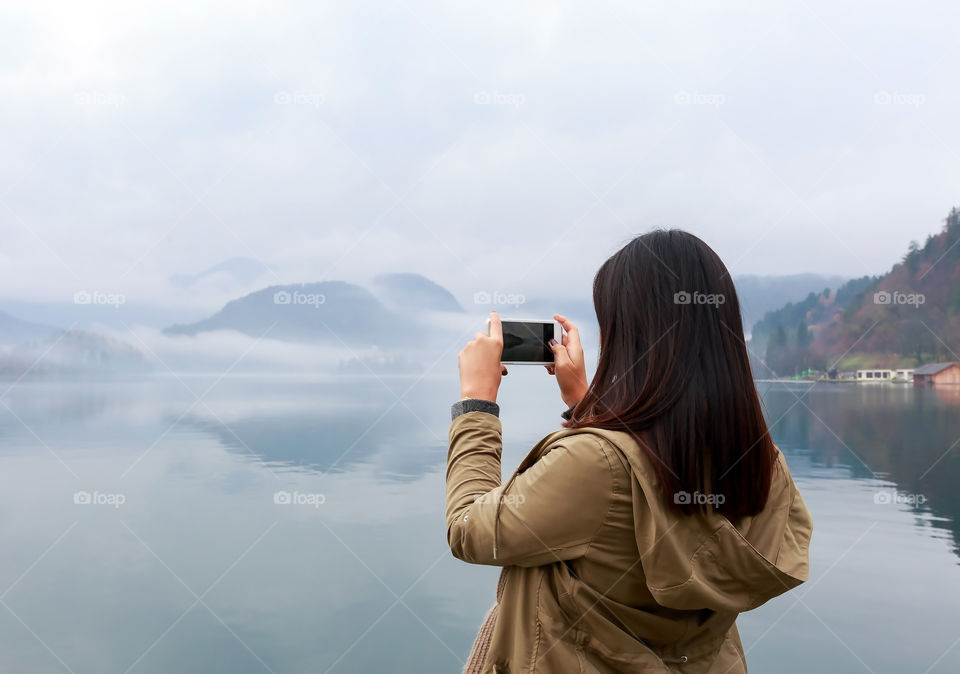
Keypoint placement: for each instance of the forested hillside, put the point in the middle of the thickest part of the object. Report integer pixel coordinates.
(906, 317)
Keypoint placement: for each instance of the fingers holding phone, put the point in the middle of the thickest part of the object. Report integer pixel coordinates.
(552, 343)
(479, 362)
(568, 364)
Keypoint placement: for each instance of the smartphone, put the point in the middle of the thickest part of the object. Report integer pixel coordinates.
(526, 342)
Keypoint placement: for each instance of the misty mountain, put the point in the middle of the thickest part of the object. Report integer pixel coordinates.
(72, 352)
(760, 294)
(757, 295)
(579, 310)
(243, 270)
(413, 291)
(336, 312)
(13, 330)
(328, 311)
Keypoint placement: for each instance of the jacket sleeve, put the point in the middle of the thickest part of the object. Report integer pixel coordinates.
(548, 513)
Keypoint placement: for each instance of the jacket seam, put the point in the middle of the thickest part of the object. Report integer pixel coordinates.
(537, 638)
(613, 491)
(776, 557)
(697, 553)
(781, 464)
(588, 540)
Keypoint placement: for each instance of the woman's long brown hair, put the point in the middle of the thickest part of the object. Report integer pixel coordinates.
(673, 371)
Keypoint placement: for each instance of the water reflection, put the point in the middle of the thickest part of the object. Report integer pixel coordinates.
(366, 583)
(326, 440)
(901, 437)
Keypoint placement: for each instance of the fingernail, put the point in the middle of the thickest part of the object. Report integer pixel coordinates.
(553, 341)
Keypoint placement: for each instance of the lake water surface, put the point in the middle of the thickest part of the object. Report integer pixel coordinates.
(255, 524)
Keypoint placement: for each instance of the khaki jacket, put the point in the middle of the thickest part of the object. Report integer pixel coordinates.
(600, 574)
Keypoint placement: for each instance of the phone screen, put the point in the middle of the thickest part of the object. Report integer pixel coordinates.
(526, 342)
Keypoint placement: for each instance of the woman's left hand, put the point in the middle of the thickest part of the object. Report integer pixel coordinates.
(480, 368)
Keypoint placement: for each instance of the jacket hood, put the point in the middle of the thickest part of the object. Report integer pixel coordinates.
(704, 561)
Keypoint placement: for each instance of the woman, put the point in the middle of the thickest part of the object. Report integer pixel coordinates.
(633, 538)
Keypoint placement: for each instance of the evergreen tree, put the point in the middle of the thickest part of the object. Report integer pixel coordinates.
(952, 227)
(912, 258)
(777, 350)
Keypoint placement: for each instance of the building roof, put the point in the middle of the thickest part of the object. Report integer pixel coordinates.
(933, 368)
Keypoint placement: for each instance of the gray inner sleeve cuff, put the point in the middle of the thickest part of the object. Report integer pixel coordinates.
(474, 405)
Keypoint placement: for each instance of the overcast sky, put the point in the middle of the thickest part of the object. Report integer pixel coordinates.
(491, 146)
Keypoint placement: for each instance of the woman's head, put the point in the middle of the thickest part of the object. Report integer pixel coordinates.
(673, 370)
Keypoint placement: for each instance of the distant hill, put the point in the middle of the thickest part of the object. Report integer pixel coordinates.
(906, 317)
(757, 295)
(13, 330)
(335, 312)
(243, 270)
(328, 311)
(760, 294)
(413, 291)
(72, 352)
(817, 308)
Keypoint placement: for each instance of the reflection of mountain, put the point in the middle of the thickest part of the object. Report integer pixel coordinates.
(523, 347)
(905, 435)
(394, 442)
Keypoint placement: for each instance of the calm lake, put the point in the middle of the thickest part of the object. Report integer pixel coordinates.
(252, 524)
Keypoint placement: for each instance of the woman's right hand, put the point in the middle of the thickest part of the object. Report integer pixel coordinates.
(568, 363)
